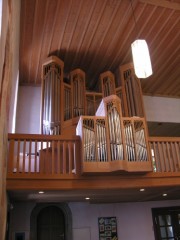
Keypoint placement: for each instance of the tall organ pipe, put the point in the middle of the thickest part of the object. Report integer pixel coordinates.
(51, 96)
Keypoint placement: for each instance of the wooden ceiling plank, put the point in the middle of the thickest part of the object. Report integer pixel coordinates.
(69, 52)
(129, 37)
(170, 63)
(164, 34)
(79, 48)
(47, 35)
(169, 85)
(110, 20)
(161, 74)
(116, 39)
(58, 7)
(26, 29)
(92, 29)
(174, 85)
(80, 30)
(162, 29)
(163, 3)
(176, 91)
(60, 49)
(160, 51)
(69, 30)
(38, 28)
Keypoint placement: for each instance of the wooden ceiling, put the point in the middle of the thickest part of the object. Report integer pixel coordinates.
(96, 35)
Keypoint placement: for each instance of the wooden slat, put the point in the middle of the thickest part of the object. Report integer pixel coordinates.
(70, 157)
(24, 155)
(171, 168)
(58, 158)
(35, 157)
(64, 157)
(177, 149)
(53, 158)
(30, 146)
(18, 156)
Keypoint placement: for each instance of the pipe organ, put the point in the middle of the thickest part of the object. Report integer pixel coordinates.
(112, 142)
(110, 123)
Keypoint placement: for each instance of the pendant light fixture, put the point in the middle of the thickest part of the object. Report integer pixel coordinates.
(141, 57)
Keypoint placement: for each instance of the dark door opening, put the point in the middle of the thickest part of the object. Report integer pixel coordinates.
(166, 223)
(51, 224)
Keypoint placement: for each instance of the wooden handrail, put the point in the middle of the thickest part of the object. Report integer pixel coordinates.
(164, 139)
(22, 136)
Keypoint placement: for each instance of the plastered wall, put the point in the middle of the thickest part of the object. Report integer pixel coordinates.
(157, 109)
(162, 109)
(134, 220)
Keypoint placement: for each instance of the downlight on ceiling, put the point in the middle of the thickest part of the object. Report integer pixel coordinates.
(41, 192)
(141, 189)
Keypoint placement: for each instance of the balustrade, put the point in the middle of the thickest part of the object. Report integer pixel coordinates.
(40, 155)
(165, 154)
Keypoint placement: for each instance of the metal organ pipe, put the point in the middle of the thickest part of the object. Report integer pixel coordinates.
(51, 99)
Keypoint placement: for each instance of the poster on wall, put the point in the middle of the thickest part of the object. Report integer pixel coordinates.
(107, 228)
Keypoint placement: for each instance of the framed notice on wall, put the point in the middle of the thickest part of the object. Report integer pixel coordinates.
(107, 228)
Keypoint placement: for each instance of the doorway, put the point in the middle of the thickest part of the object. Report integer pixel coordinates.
(51, 221)
(51, 224)
(166, 223)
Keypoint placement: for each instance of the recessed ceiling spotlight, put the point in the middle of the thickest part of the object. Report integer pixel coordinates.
(141, 189)
(164, 194)
(41, 192)
(87, 198)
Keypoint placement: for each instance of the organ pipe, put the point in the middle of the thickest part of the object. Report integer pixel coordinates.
(77, 78)
(51, 96)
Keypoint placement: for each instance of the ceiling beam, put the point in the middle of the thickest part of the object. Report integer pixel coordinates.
(163, 3)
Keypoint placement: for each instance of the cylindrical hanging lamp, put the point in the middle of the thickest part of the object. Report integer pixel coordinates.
(141, 58)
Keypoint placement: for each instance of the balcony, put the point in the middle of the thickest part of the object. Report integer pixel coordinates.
(109, 149)
(55, 162)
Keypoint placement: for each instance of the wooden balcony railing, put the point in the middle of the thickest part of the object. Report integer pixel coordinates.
(33, 155)
(165, 154)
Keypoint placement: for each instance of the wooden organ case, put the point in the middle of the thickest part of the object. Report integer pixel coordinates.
(111, 123)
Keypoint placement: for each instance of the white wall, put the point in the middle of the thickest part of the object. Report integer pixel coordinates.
(157, 109)
(28, 110)
(161, 109)
(134, 220)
